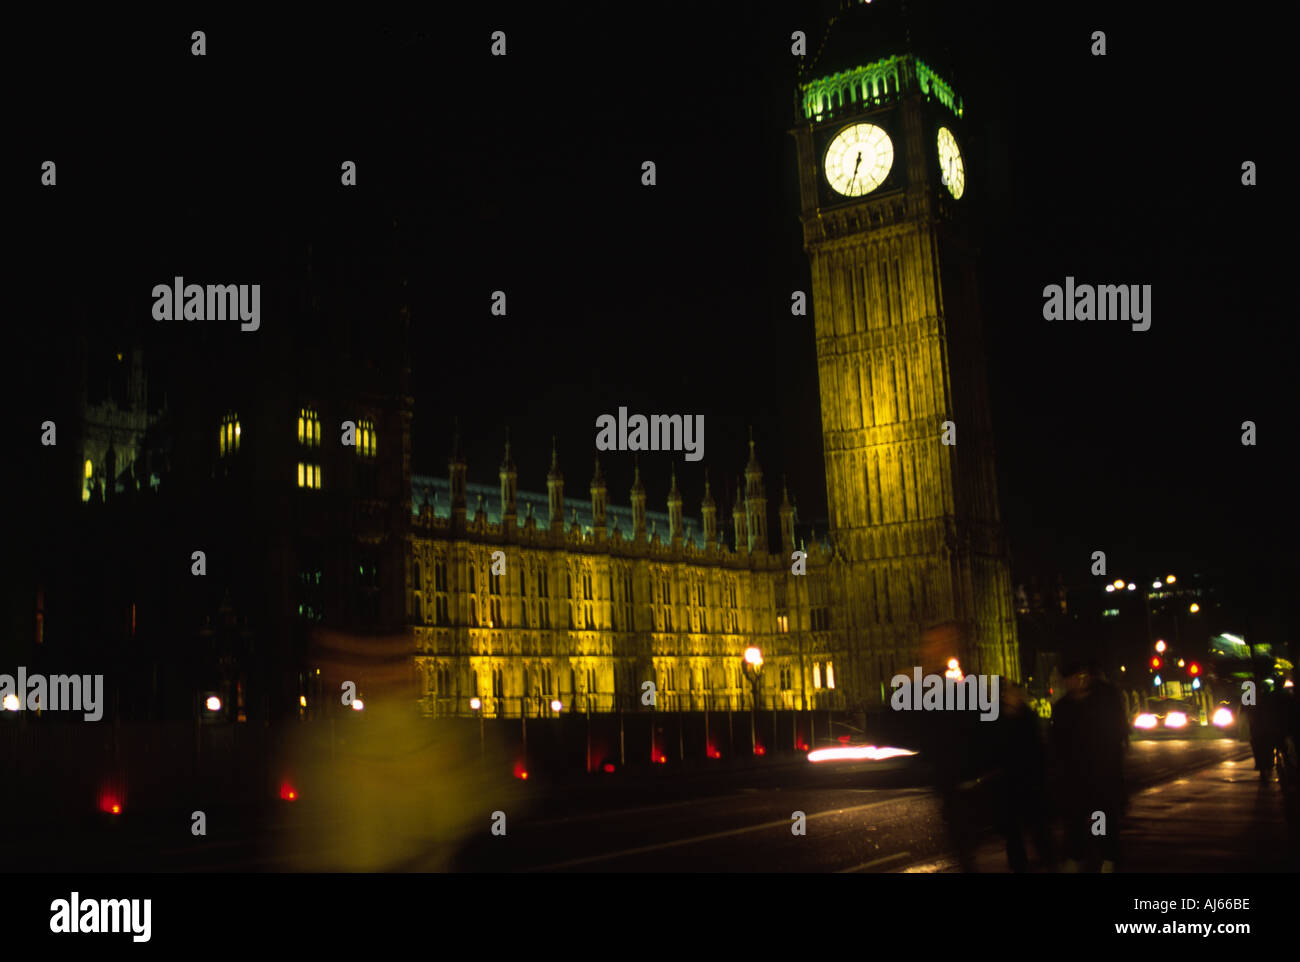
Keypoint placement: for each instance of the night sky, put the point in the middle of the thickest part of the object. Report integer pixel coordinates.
(523, 174)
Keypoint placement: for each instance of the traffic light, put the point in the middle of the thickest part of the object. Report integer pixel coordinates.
(1155, 662)
(1193, 669)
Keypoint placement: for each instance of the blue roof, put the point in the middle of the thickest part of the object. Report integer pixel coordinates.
(438, 491)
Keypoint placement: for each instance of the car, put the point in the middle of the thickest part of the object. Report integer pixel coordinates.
(1167, 716)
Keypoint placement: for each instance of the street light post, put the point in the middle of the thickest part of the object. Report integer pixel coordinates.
(752, 666)
(475, 704)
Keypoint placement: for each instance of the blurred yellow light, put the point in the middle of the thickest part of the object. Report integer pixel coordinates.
(1180, 663)
(11, 703)
(302, 700)
(753, 656)
(1194, 608)
(1170, 579)
(1119, 584)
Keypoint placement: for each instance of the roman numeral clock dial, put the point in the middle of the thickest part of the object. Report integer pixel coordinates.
(858, 159)
(951, 166)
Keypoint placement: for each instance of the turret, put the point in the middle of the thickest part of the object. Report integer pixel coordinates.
(555, 489)
(787, 521)
(675, 512)
(509, 492)
(456, 469)
(755, 502)
(638, 506)
(598, 497)
(709, 511)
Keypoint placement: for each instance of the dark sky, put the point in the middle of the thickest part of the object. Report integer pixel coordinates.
(522, 174)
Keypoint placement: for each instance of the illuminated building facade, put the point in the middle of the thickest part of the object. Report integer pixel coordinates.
(586, 608)
(910, 478)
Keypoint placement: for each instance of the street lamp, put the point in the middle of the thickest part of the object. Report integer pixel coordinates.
(752, 666)
(476, 704)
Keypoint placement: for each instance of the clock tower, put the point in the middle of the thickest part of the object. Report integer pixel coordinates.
(921, 563)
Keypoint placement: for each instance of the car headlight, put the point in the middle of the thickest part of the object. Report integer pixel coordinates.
(1222, 717)
(1144, 721)
(1175, 719)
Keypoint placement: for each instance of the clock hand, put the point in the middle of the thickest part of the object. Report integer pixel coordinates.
(856, 165)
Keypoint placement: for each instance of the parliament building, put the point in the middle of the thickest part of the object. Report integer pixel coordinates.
(513, 599)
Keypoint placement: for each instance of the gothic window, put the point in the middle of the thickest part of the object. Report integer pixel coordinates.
(308, 428)
(366, 445)
(309, 475)
(228, 439)
(586, 585)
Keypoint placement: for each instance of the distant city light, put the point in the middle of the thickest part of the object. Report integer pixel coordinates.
(1119, 584)
(1170, 579)
(1110, 588)
(302, 701)
(1132, 586)
(1160, 646)
(1194, 608)
(213, 703)
(1181, 663)
(1155, 584)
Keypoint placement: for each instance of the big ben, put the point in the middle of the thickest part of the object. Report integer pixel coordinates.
(885, 183)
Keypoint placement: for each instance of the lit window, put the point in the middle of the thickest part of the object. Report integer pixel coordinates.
(830, 676)
(228, 437)
(366, 439)
(308, 428)
(308, 475)
(817, 675)
(90, 468)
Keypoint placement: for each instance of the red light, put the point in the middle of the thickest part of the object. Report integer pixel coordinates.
(288, 793)
(803, 747)
(844, 739)
(1155, 662)
(663, 759)
(714, 753)
(609, 767)
(760, 750)
(1195, 669)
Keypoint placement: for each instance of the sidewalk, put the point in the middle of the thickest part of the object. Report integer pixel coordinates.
(1220, 818)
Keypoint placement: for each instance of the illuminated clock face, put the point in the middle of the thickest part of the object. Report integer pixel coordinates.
(858, 159)
(951, 168)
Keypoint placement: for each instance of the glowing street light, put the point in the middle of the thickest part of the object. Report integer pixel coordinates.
(1155, 584)
(753, 667)
(213, 703)
(11, 703)
(1161, 646)
(1119, 584)
(1194, 608)
(754, 657)
(1170, 579)
(1132, 586)
(358, 704)
(1110, 589)
(557, 705)
(476, 703)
